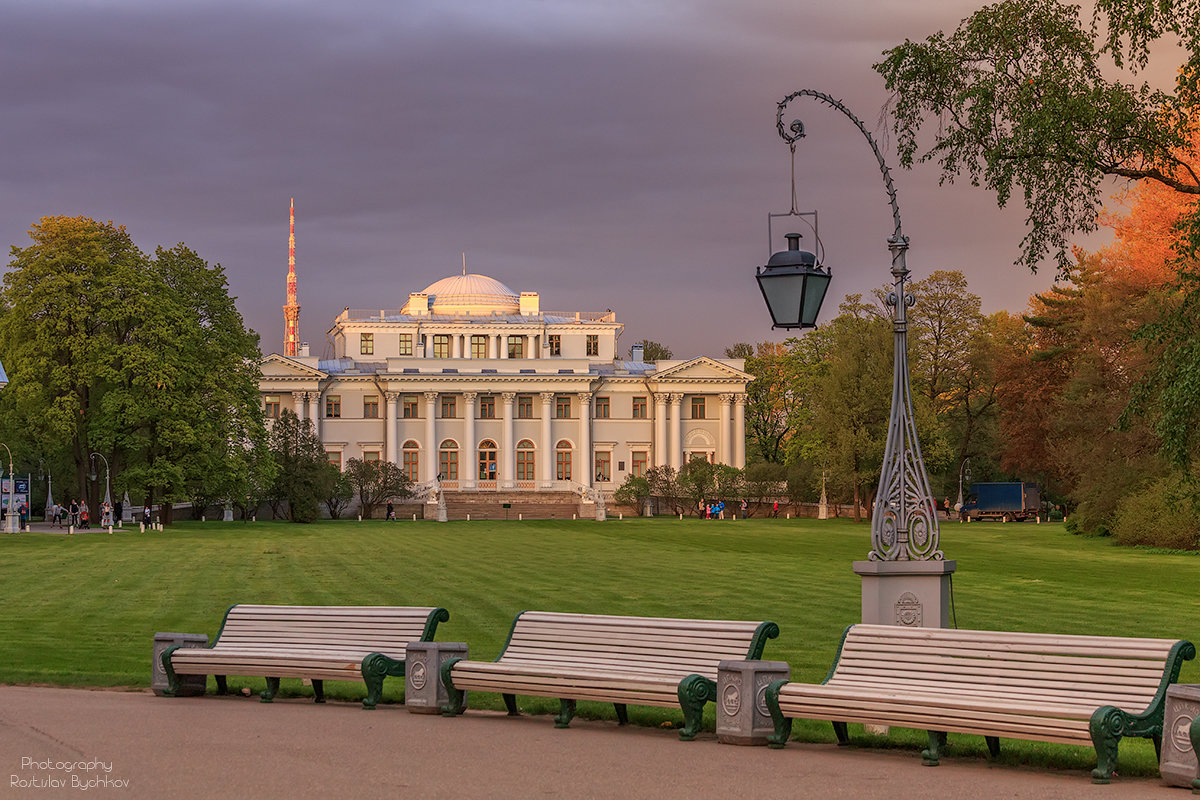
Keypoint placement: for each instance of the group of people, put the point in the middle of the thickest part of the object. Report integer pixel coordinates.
(713, 510)
(77, 515)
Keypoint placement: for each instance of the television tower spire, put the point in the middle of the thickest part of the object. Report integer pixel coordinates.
(291, 311)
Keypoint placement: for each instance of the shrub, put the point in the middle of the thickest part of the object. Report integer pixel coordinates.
(1161, 514)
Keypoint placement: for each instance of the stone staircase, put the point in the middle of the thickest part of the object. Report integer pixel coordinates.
(524, 505)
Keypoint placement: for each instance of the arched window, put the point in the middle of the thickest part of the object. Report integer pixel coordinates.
(525, 460)
(412, 460)
(562, 458)
(448, 460)
(487, 460)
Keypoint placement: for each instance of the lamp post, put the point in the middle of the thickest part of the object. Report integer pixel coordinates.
(92, 477)
(905, 576)
(964, 467)
(12, 519)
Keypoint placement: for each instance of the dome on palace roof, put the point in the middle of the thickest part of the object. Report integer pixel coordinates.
(470, 294)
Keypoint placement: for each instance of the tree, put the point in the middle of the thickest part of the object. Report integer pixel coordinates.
(634, 493)
(303, 474)
(377, 482)
(739, 350)
(652, 351)
(341, 492)
(697, 484)
(664, 488)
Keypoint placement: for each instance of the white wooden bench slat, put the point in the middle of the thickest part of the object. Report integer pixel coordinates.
(867, 649)
(673, 623)
(994, 670)
(1110, 696)
(1037, 731)
(1100, 646)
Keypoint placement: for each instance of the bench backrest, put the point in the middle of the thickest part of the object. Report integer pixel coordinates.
(1128, 673)
(385, 629)
(654, 645)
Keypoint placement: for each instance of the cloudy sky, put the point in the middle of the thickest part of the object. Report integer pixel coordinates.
(607, 153)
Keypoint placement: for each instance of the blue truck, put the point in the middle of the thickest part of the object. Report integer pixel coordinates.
(1007, 502)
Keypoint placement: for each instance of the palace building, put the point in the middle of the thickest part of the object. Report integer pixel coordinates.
(476, 383)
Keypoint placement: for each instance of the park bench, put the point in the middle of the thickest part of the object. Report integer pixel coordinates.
(621, 660)
(1088, 690)
(320, 643)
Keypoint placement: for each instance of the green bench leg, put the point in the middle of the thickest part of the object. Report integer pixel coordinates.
(1107, 725)
(932, 756)
(376, 667)
(694, 691)
(993, 743)
(783, 725)
(454, 704)
(172, 678)
(272, 689)
(510, 703)
(842, 733)
(222, 684)
(566, 713)
(318, 691)
(622, 713)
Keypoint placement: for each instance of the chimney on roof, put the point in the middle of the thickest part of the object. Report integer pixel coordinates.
(303, 350)
(636, 352)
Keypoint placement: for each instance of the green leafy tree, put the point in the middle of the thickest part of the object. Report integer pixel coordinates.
(634, 492)
(739, 350)
(341, 492)
(664, 489)
(303, 475)
(652, 351)
(376, 482)
(697, 484)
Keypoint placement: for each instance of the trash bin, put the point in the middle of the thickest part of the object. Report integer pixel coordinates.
(1178, 764)
(188, 684)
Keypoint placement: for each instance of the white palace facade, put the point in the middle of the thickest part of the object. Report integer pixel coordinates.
(475, 383)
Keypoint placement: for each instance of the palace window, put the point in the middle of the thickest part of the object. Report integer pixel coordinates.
(448, 460)
(370, 455)
(639, 463)
(516, 347)
(697, 407)
(479, 346)
(410, 406)
(562, 460)
(366, 344)
(602, 408)
(333, 406)
(639, 408)
(524, 406)
(525, 460)
(593, 345)
(603, 466)
(449, 406)
(406, 341)
(554, 344)
(334, 457)
(412, 460)
(487, 406)
(271, 406)
(441, 346)
(487, 460)
(562, 407)
(371, 406)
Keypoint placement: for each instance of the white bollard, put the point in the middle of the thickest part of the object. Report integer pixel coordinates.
(620, 517)
(141, 527)
(789, 515)
(414, 517)
(360, 517)
(681, 517)
(71, 530)
(468, 517)
(203, 518)
(520, 517)
(110, 530)
(574, 516)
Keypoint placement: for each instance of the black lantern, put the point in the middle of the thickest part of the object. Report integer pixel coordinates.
(794, 285)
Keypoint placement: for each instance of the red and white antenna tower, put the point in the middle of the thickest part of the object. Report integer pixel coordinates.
(291, 311)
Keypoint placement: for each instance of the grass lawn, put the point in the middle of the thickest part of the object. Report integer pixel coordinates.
(83, 610)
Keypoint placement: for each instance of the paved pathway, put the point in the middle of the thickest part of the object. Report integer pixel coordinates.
(234, 747)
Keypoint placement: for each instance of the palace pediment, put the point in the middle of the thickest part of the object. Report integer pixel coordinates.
(281, 367)
(701, 369)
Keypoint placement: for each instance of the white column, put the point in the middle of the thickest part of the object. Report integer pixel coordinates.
(430, 468)
(545, 452)
(508, 447)
(314, 411)
(661, 450)
(585, 439)
(724, 456)
(468, 444)
(739, 431)
(675, 431)
(502, 345)
(300, 399)
(390, 431)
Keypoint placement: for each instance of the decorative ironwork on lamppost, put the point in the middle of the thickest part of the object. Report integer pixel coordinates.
(964, 467)
(107, 485)
(904, 525)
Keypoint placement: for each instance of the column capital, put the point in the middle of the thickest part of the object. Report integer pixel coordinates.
(469, 397)
(391, 397)
(676, 398)
(548, 396)
(431, 396)
(585, 396)
(508, 397)
(661, 398)
(726, 398)
(299, 397)
(740, 399)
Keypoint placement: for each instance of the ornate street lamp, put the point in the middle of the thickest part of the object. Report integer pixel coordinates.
(964, 467)
(107, 485)
(793, 284)
(12, 521)
(904, 525)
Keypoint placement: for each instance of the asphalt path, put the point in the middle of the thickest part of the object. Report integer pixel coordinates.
(82, 743)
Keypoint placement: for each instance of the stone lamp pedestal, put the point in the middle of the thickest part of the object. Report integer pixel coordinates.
(914, 594)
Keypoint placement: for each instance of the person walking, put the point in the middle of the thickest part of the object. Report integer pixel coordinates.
(74, 511)
(391, 511)
(775, 510)
(146, 514)
(745, 505)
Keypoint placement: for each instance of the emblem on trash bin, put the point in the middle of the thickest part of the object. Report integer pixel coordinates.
(731, 700)
(1179, 732)
(417, 675)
